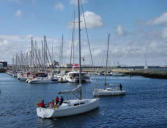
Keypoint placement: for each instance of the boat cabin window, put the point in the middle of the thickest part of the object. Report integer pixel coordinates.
(79, 103)
(41, 75)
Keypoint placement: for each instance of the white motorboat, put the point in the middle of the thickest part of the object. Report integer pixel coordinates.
(71, 107)
(73, 77)
(53, 76)
(61, 78)
(39, 78)
(23, 76)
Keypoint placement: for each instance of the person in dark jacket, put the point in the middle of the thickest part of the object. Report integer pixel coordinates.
(61, 100)
(120, 86)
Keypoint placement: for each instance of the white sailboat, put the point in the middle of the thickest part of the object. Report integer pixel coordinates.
(114, 91)
(109, 92)
(73, 75)
(71, 107)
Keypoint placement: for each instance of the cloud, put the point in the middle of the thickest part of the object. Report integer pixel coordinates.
(92, 20)
(3, 43)
(75, 2)
(161, 23)
(128, 50)
(59, 6)
(18, 13)
(120, 30)
(164, 32)
(162, 19)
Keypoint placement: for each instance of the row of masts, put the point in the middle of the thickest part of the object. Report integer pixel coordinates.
(36, 57)
(40, 56)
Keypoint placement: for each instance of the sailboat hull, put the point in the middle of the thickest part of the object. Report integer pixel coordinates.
(108, 92)
(39, 81)
(73, 107)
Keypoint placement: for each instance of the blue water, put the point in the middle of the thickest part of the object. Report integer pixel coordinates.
(144, 106)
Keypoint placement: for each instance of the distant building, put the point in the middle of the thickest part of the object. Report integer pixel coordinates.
(3, 64)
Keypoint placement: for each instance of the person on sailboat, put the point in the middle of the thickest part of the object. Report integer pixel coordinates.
(61, 100)
(120, 86)
(52, 103)
(41, 104)
(57, 100)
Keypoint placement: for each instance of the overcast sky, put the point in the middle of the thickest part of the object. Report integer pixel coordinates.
(138, 28)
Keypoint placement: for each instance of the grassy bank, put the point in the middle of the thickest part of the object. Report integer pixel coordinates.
(144, 72)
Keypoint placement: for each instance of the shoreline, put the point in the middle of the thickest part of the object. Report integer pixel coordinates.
(150, 73)
(160, 74)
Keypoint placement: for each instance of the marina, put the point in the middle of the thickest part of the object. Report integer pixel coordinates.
(84, 64)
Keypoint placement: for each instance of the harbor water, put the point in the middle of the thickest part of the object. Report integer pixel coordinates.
(143, 106)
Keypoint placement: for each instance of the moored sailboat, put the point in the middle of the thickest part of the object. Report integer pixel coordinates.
(108, 91)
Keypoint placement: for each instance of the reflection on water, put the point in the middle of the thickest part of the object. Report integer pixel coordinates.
(143, 106)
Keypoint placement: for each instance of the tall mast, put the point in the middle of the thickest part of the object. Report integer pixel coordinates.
(31, 60)
(79, 36)
(52, 54)
(45, 53)
(73, 37)
(72, 42)
(62, 39)
(61, 51)
(107, 58)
